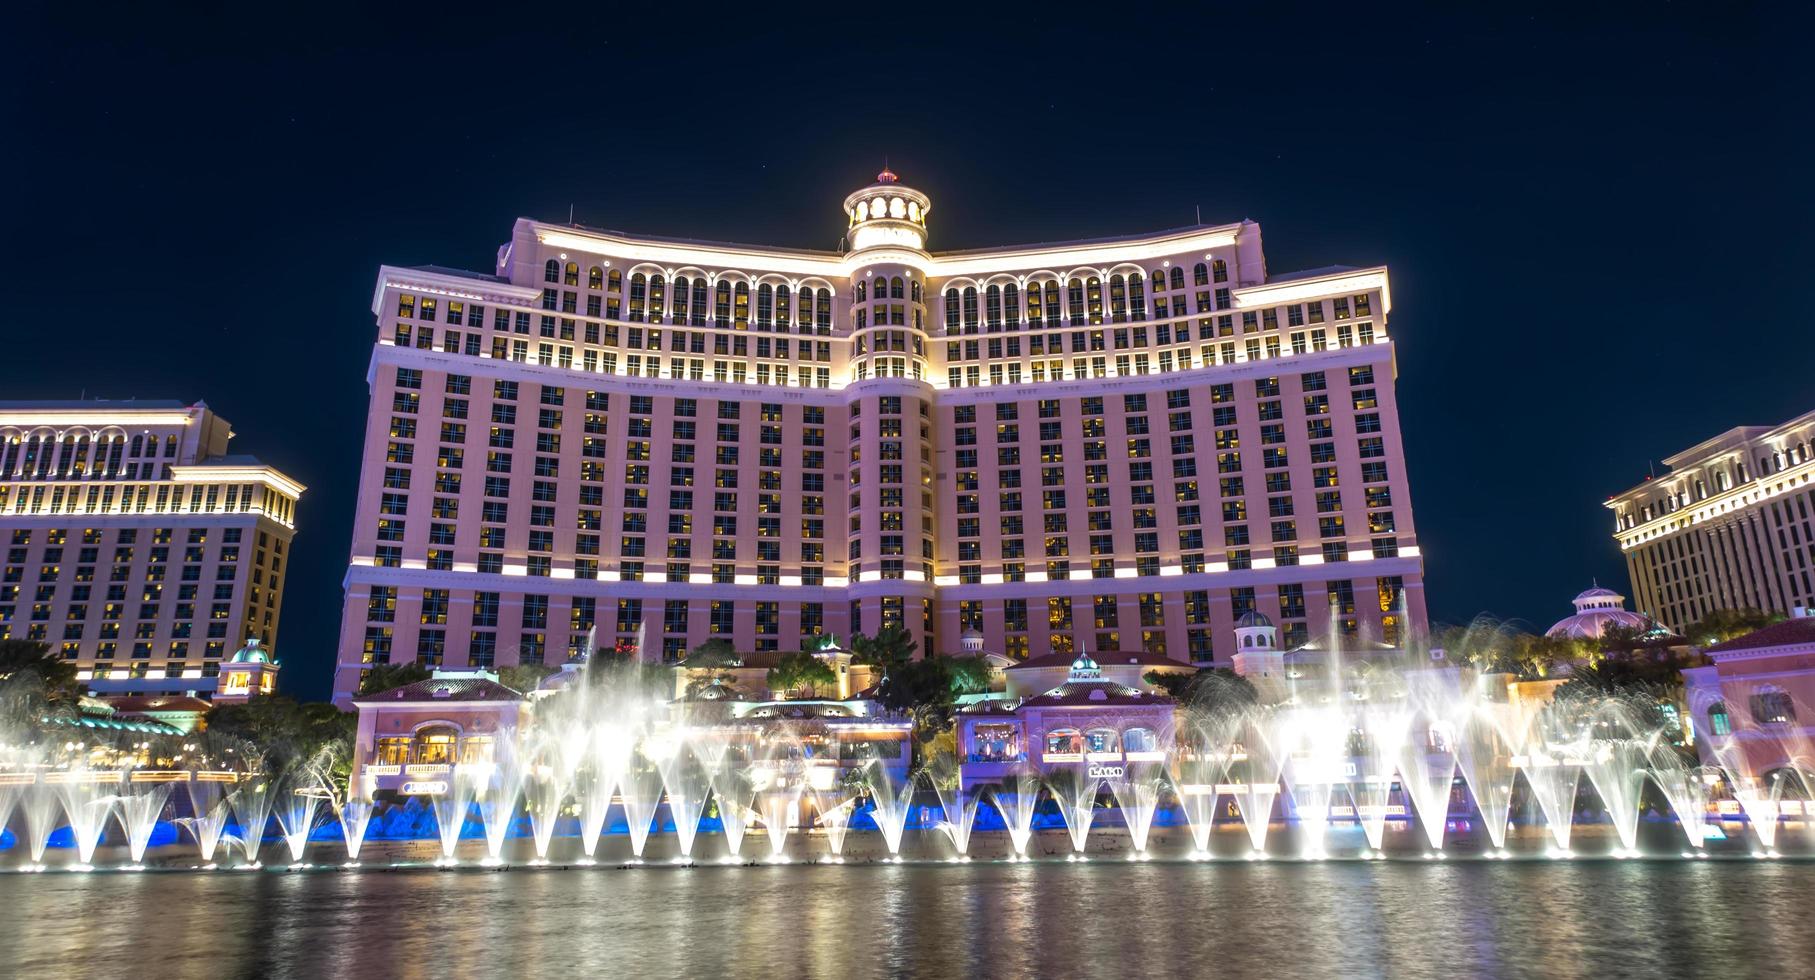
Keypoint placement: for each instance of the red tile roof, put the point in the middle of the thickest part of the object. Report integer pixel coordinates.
(455, 688)
(1787, 633)
(1115, 658)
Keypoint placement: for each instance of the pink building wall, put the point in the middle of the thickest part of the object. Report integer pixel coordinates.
(889, 490)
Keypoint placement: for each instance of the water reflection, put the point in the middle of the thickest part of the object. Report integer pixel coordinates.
(1402, 919)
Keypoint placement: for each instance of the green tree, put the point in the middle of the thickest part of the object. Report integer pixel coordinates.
(800, 674)
(524, 678)
(971, 675)
(384, 677)
(713, 654)
(1212, 690)
(55, 677)
(1726, 624)
(281, 730)
(892, 645)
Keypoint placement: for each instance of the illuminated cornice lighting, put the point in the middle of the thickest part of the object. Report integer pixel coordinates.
(1317, 287)
(26, 418)
(237, 474)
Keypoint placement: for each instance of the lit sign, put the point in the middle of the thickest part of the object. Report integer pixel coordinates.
(425, 788)
(1105, 772)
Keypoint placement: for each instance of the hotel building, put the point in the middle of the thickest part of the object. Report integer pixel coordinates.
(136, 546)
(1729, 527)
(1116, 444)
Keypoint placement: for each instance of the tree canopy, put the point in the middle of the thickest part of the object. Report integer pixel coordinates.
(801, 674)
(281, 730)
(890, 646)
(1726, 624)
(36, 684)
(713, 654)
(384, 677)
(1214, 690)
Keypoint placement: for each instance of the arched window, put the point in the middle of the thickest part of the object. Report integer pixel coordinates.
(1036, 312)
(951, 311)
(721, 307)
(1201, 275)
(1137, 297)
(917, 292)
(765, 305)
(638, 291)
(863, 292)
(1052, 302)
(1247, 641)
(895, 288)
(435, 745)
(595, 278)
(970, 309)
(882, 287)
(1140, 740)
(1772, 706)
(1074, 301)
(1102, 740)
(992, 299)
(1118, 298)
(614, 281)
(658, 297)
(822, 311)
(1094, 288)
(1178, 277)
(1064, 740)
(1219, 270)
(679, 306)
(1011, 305)
(804, 314)
(551, 271)
(1159, 279)
(699, 302)
(741, 315)
(573, 274)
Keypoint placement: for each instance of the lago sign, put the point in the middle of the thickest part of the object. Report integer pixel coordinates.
(1105, 772)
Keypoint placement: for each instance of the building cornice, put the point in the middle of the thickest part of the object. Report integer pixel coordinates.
(936, 265)
(454, 287)
(1268, 295)
(265, 475)
(97, 418)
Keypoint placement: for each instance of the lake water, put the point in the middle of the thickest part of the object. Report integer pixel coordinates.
(1461, 918)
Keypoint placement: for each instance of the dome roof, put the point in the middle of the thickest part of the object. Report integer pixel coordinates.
(1598, 592)
(971, 634)
(1252, 618)
(1593, 623)
(252, 653)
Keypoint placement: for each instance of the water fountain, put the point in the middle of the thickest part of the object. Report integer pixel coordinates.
(891, 798)
(207, 792)
(297, 809)
(251, 801)
(1017, 798)
(88, 799)
(139, 803)
(1075, 789)
(957, 807)
(685, 781)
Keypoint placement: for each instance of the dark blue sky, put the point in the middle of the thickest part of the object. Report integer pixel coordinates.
(1598, 224)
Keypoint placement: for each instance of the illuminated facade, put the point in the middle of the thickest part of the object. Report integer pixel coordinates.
(137, 547)
(1122, 443)
(1731, 526)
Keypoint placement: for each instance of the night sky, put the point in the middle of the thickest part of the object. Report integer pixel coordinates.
(1596, 224)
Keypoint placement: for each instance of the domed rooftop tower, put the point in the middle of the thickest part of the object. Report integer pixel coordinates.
(1257, 652)
(1596, 610)
(887, 214)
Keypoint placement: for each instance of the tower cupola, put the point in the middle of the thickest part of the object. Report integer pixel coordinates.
(887, 213)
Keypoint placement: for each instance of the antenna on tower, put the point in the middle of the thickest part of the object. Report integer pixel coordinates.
(1200, 214)
(570, 212)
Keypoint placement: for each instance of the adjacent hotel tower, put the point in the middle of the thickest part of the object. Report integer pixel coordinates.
(136, 546)
(1118, 443)
(1731, 526)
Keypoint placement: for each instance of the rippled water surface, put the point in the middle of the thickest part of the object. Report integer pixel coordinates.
(1269, 919)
